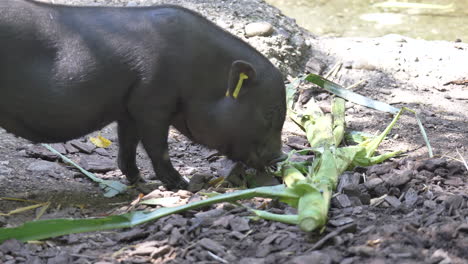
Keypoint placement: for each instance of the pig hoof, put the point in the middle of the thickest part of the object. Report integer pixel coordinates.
(146, 187)
(182, 185)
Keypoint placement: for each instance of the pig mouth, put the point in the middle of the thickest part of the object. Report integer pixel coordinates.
(258, 162)
(279, 158)
(254, 159)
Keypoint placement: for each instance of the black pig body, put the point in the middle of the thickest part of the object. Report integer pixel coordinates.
(67, 71)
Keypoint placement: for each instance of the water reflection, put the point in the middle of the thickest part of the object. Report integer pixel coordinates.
(426, 19)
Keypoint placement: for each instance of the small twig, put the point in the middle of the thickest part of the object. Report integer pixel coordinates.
(378, 201)
(352, 86)
(217, 257)
(324, 239)
(185, 250)
(463, 159)
(333, 70)
(83, 256)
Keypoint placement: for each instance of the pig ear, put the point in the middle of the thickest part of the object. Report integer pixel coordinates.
(241, 72)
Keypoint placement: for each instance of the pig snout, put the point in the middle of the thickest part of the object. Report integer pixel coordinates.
(261, 159)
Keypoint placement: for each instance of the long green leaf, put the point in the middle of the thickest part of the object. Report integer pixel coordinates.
(43, 229)
(349, 95)
(111, 188)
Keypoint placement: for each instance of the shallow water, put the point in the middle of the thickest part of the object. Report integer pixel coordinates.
(443, 20)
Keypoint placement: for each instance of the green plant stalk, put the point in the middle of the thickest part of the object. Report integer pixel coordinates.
(287, 219)
(291, 175)
(338, 113)
(313, 207)
(422, 130)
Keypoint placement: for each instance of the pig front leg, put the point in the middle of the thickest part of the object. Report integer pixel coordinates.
(154, 139)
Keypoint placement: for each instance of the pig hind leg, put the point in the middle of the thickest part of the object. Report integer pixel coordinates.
(128, 141)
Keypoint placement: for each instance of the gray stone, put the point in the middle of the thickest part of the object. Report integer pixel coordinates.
(372, 183)
(341, 221)
(348, 179)
(102, 152)
(84, 147)
(258, 29)
(393, 201)
(239, 224)
(411, 197)
(70, 148)
(381, 169)
(341, 200)
(398, 178)
(44, 166)
(315, 65)
(38, 151)
(97, 163)
(4, 170)
(212, 246)
(59, 147)
(315, 257)
(432, 164)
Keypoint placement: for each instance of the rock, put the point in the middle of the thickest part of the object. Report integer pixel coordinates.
(315, 257)
(198, 182)
(102, 152)
(380, 190)
(455, 168)
(9, 246)
(454, 202)
(175, 237)
(381, 169)
(70, 148)
(352, 190)
(372, 183)
(253, 260)
(393, 201)
(59, 147)
(38, 151)
(430, 204)
(83, 147)
(263, 250)
(132, 3)
(212, 246)
(239, 224)
(411, 197)
(357, 191)
(44, 166)
(96, 163)
(341, 201)
(431, 164)
(207, 218)
(4, 170)
(223, 221)
(442, 257)
(348, 178)
(315, 65)
(398, 178)
(61, 257)
(341, 221)
(297, 142)
(161, 251)
(264, 29)
(362, 250)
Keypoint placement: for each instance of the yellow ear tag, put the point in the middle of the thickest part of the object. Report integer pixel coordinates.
(242, 77)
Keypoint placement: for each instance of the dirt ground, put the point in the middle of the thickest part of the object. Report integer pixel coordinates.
(407, 210)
